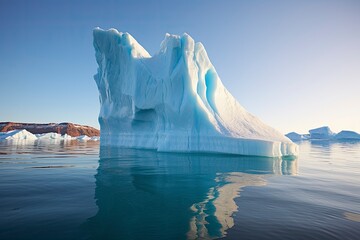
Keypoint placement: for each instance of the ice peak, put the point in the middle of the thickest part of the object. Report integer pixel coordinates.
(187, 42)
(112, 38)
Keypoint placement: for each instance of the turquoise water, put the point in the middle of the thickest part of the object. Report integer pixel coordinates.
(81, 191)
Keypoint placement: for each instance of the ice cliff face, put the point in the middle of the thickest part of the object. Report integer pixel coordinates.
(173, 101)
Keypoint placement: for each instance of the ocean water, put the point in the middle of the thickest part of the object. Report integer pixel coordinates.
(79, 190)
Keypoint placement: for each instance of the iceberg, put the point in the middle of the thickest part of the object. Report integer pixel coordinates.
(324, 133)
(95, 138)
(294, 136)
(17, 135)
(321, 133)
(83, 138)
(347, 135)
(49, 136)
(52, 137)
(173, 101)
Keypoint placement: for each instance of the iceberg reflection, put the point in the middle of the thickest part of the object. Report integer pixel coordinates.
(220, 202)
(145, 194)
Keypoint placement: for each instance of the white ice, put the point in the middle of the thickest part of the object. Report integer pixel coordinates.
(83, 138)
(51, 136)
(95, 138)
(174, 101)
(17, 135)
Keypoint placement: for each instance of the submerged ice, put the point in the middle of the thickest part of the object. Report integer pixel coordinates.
(173, 101)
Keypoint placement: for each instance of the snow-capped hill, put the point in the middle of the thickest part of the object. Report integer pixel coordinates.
(173, 101)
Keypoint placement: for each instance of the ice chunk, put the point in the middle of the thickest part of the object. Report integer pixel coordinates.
(67, 137)
(43, 137)
(17, 135)
(83, 138)
(347, 135)
(294, 136)
(95, 138)
(174, 101)
(321, 133)
(53, 136)
(49, 136)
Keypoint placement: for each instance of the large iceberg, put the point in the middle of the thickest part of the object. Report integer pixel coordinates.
(174, 101)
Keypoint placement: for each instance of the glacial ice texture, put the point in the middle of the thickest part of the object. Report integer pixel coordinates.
(173, 101)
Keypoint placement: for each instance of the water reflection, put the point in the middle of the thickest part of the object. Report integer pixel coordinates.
(328, 149)
(144, 194)
(219, 205)
(51, 147)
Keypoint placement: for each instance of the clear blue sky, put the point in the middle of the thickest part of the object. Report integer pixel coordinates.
(294, 64)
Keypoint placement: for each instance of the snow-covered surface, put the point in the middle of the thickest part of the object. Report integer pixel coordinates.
(345, 134)
(25, 135)
(174, 101)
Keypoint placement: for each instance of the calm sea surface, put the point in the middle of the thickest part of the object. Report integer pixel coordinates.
(81, 191)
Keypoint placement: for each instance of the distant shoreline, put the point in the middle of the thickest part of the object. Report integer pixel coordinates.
(71, 129)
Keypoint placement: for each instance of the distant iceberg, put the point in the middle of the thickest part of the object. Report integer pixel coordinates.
(174, 101)
(17, 135)
(297, 137)
(324, 133)
(321, 133)
(347, 135)
(53, 136)
(83, 138)
(27, 137)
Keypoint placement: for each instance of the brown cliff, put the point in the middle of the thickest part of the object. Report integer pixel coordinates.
(71, 129)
